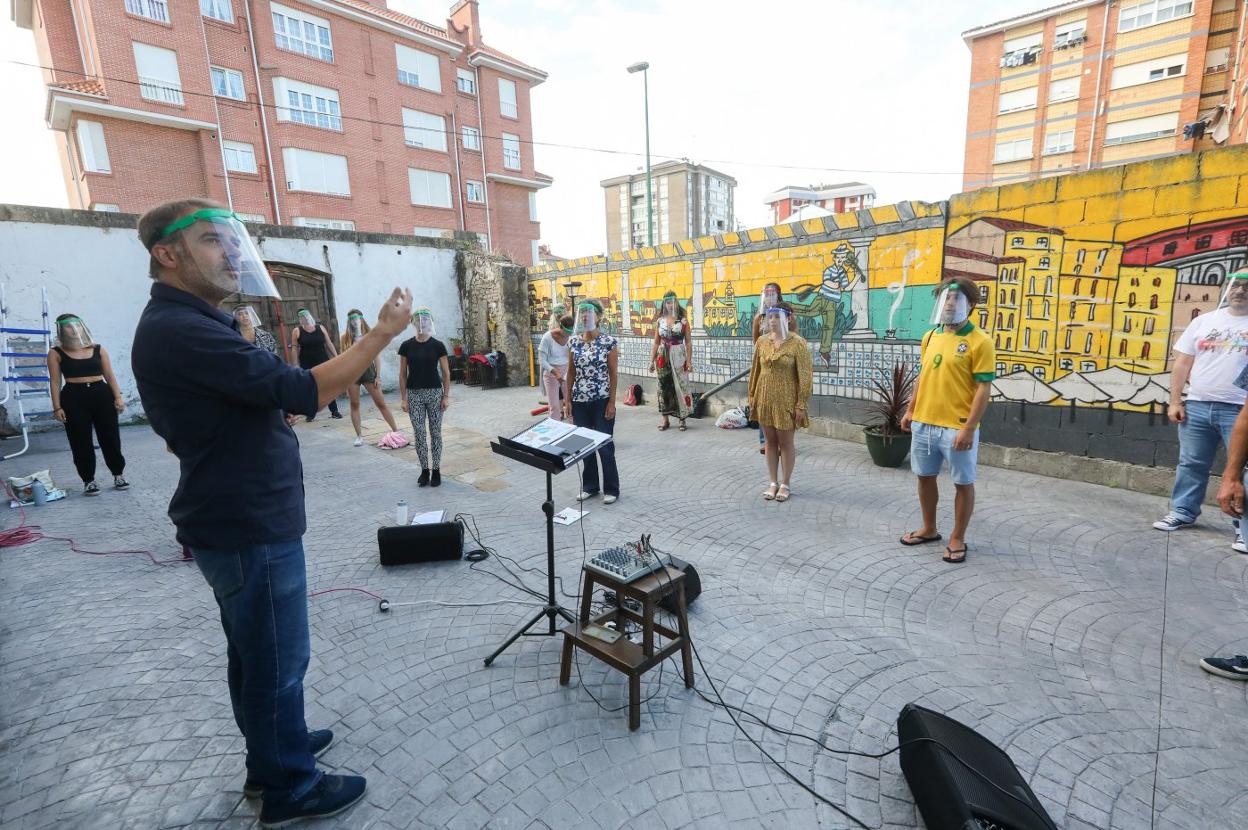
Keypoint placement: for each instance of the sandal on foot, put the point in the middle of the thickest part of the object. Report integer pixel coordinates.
(770, 493)
(682, 426)
(950, 553)
(783, 493)
(913, 538)
(762, 450)
(664, 426)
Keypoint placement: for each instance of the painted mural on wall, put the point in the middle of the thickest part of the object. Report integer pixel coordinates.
(1085, 281)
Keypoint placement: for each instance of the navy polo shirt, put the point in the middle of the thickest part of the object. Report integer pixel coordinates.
(218, 402)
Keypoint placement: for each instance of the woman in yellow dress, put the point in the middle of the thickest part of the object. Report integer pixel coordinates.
(780, 385)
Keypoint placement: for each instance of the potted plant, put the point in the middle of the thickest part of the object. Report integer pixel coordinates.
(891, 392)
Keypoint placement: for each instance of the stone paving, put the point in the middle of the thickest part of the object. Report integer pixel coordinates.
(114, 712)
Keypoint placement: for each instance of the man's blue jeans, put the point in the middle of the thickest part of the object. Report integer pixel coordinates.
(262, 592)
(593, 414)
(1207, 425)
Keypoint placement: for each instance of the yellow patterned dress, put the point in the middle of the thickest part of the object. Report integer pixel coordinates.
(780, 379)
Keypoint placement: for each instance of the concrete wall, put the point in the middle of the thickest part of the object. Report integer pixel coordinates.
(93, 265)
(1086, 282)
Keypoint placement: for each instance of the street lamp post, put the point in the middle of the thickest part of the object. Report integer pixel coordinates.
(645, 85)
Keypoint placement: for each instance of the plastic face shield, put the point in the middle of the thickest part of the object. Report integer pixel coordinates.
(355, 325)
(422, 319)
(776, 324)
(306, 320)
(952, 307)
(586, 319)
(217, 242)
(671, 306)
(72, 333)
(247, 317)
(1235, 294)
(768, 299)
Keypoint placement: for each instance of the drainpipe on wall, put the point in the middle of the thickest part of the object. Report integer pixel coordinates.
(264, 121)
(459, 174)
(1240, 61)
(216, 110)
(1096, 95)
(485, 173)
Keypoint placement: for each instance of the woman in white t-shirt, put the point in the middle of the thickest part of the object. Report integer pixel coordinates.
(552, 358)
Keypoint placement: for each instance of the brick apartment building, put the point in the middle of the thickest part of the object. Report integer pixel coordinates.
(689, 200)
(326, 113)
(1091, 83)
(834, 198)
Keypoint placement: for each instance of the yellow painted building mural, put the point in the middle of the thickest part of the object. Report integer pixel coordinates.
(1085, 281)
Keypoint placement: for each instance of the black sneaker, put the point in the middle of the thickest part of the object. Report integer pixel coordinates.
(337, 416)
(332, 795)
(1172, 522)
(319, 742)
(120, 483)
(423, 481)
(92, 489)
(1236, 668)
(435, 480)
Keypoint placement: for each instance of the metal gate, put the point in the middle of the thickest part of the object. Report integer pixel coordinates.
(300, 287)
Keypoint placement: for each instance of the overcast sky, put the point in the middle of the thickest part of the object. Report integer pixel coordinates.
(771, 93)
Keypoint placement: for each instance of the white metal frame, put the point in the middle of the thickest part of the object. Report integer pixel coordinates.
(18, 383)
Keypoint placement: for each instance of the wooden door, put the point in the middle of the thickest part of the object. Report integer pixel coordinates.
(300, 287)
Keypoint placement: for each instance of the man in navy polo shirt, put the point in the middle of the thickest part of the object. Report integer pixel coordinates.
(218, 403)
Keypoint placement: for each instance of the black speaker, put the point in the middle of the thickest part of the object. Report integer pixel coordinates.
(693, 585)
(960, 779)
(409, 544)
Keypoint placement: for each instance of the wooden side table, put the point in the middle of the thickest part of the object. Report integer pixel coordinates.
(624, 655)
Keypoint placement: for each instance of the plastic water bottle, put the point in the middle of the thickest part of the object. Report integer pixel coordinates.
(39, 493)
(400, 513)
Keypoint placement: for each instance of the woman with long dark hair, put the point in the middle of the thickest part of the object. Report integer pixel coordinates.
(671, 359)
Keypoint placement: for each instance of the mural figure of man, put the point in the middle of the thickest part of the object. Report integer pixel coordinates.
(830, 300)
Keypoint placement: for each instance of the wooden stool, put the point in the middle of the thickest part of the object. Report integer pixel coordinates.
(623, 655)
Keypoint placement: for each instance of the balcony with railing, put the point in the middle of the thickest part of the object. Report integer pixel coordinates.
(152, 9)
(163, 92)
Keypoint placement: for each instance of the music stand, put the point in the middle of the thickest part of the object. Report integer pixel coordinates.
(552, 464)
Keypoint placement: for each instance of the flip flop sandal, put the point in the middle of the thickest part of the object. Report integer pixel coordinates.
(783, 493)
(958, 561)
(915, 539)
(682, 426)
(770, 493)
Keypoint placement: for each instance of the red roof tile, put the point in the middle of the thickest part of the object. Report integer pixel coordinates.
(88, 87)
(399, 17)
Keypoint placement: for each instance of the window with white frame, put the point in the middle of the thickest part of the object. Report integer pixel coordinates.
(1021, 42)
(105, 207)
(316, 106)
(472, 138)
(537, 254)
(239, 157)
(325, 224)
(476, 192)
(435, 233)
(316, 172)
(511, 151)
(429, 187)
(1063, 89)
(217, 10)
(507, 98)
(252, 217)
(1012, 150)
(92, 150)
(1019, 99)
(1141, 129)
(298, 31)
(417, 68)
(1059, 141)
(532, 205)
(1070, 34)
(1216, 59)
(151, 9)
(466, 81)
(158, 74)
(1144, 72)
(1151, 12)
(424, 129)
(228, 83)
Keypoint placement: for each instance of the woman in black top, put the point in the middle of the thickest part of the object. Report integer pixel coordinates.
(89, 399)
(425, 383)
(312, 346)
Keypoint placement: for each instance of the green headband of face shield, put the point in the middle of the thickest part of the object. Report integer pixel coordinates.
(355, 316)
(191, 219)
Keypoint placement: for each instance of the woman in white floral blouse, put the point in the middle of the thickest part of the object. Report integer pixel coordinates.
(589, 395)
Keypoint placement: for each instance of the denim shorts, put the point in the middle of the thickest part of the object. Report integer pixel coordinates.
(931, 446)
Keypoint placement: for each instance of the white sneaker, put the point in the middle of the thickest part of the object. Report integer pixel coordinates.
(1238, 545)
(359, 442)
(583, 495)
(610, 499)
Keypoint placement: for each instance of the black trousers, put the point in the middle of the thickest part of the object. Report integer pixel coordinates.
(90, 406)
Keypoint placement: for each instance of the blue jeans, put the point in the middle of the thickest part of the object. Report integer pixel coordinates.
(262, 592)
(1207, 425)
(593, 414)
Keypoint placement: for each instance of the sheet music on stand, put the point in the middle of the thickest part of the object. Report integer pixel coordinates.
(560, 440)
